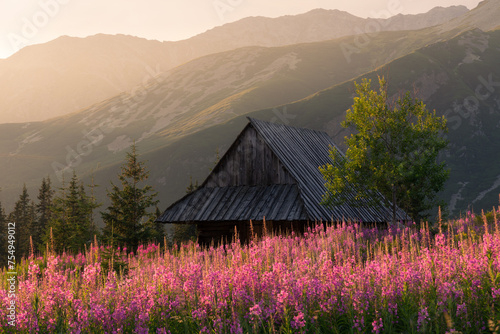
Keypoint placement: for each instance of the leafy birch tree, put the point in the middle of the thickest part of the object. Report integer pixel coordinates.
(393, 150)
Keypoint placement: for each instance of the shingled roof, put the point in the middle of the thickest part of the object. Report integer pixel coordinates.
(300, 152)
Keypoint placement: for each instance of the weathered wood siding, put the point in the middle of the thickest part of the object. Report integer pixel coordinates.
(249, 162)
(218, 232)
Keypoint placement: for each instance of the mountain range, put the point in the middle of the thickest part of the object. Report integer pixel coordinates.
(69, 74)
(185, 106)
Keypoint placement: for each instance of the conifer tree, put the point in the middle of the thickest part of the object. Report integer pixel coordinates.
(192, 186)
(154, 232)
(44, 212)
(24, 217)
(186, 232)
(71, 220)
(126, 219)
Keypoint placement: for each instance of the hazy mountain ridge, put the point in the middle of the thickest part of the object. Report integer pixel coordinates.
(438, 75)
(484, 16)
(435, 16)
(463, 88)
(69, 74)
(318, 25)
(180, 116)
(186, 99)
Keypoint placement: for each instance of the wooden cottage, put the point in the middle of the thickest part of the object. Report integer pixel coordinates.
(270, 171)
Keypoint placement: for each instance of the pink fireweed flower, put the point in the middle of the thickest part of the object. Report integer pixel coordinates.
(461, 309)
(378, 325)
(495, 293)
(298, 321)
(346, 271)
(255, 311)
(282, 297)
(423, 317)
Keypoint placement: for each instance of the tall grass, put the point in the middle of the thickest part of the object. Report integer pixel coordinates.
(338, 279)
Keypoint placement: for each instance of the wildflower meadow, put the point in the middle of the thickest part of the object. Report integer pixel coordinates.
(341, 278)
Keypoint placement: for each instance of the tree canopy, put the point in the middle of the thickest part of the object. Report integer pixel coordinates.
(393, 150)
(70, 226)
(128, 220)
(24, 217)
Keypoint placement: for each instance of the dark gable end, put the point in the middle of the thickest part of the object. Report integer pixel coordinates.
(249, 162)
(272, 171)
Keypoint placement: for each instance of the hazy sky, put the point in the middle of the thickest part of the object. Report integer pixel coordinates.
(25, 22)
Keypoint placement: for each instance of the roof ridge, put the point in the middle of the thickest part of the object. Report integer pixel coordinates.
(257, 121)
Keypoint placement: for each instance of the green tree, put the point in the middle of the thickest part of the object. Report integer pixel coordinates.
(154, 232)
(24, 217)
(43, 211)
(71, 218)
(216, 161)
(126, 219)
(393, 150)
(192, 186)
(186, 232)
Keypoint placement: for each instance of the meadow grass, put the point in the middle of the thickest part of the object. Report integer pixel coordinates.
(341, 278)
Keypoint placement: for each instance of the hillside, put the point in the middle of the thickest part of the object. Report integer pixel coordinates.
(69, 74)
(180, 117)
(446, 75)
(459, 79)
(202, 93)
(484, 17)
(316, 25)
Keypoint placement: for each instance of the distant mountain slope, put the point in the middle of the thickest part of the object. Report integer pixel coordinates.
(69, 74)
(314, 26)
(436, 16)
(485, 17)
(204, 92)
(459, 78)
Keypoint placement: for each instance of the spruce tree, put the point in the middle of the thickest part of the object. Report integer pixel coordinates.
(24, 217)
(154, 232)
(44, 212)
(186, 232)
(126, 219)
(71, 219)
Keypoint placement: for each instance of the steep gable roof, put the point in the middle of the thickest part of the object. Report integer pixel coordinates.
(300, 153)
(280, 202)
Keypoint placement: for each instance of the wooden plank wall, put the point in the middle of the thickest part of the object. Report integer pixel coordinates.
(251, 162)
(216, 232)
